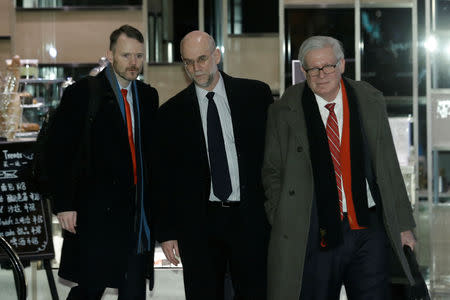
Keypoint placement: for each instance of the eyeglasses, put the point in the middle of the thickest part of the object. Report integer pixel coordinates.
(201, 60)
(327, 69)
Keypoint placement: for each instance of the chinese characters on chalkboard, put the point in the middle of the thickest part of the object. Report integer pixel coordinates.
(23, 213)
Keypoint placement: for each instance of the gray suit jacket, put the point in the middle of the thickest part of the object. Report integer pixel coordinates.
(288, 182)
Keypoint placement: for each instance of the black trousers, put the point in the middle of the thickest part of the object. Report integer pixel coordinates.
(361, 263)
(131, 288)
(227, 243)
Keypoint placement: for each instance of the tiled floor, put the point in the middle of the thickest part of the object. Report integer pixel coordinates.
(434, 247)
(169, 286)
(433, 253)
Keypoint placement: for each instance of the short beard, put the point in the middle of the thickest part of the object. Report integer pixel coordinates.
(207, 83)
(123, 74)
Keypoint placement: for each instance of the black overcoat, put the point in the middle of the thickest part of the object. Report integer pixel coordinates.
(104, 197)
(183, 179)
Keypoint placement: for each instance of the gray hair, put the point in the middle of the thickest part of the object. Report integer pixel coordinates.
(319, 42)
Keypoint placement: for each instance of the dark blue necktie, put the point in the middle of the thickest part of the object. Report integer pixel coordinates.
(220, 174)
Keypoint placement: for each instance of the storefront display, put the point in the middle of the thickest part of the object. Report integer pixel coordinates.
(26, 99)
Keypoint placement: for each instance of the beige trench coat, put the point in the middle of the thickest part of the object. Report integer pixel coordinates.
(288, 181)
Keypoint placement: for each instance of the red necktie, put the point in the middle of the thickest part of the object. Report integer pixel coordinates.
(335, 149)
(130, 131)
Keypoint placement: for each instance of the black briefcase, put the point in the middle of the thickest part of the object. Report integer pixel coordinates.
(419, 290)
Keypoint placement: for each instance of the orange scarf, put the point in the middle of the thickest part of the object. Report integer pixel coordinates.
(346, 163)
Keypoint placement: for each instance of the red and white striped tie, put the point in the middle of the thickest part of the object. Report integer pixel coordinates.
(335, 149)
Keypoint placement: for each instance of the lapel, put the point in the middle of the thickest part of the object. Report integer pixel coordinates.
(110, 103)
(237, 108)
(195, 121)
(295, 117)
(368, 107)
(136, 109)
(369, 110)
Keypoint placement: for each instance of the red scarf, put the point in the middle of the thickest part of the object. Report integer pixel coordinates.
(346, 163)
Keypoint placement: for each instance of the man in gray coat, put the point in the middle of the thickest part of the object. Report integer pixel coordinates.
(336, 197)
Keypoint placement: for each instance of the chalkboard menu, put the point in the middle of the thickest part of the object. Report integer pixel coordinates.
(24, 214)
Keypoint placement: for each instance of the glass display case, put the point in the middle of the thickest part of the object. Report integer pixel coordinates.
(37, 96)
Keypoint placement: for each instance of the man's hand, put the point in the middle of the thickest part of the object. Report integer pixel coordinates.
(68, 220)
(170, 249)
(408, 239)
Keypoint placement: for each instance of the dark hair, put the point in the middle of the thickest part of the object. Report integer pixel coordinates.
(129, 31)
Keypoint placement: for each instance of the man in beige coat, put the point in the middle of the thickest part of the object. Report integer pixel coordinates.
(336, 201)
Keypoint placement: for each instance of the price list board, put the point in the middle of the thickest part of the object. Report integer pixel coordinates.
(24, 214)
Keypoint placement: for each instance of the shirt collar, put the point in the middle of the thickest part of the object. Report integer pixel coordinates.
(219, 89)
(322, 102)
(126, 87)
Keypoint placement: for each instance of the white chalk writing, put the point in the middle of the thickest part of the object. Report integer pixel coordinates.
(8, 174)
(12, 155)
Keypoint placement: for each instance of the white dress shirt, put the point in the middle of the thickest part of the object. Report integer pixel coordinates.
(339, 111)
(221, 100)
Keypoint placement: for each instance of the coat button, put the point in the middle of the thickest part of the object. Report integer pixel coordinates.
(299, 149)
(291, 193)
(285, 236)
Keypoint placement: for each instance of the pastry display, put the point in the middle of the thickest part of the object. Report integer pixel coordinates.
(27, 127)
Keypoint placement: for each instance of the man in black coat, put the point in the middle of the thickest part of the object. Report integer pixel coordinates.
(210, 199)
(101, 197)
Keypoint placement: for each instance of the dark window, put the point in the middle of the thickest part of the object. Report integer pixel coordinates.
(185, 16)
(442, 14)
(386, 55)
(252, 16)
(303, 23)
(168, 23)
(212, 13)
